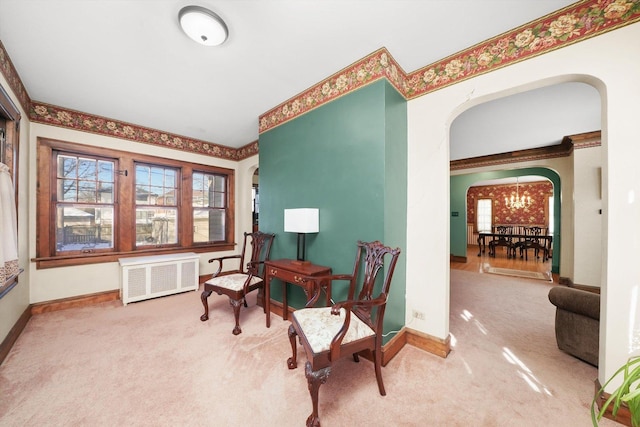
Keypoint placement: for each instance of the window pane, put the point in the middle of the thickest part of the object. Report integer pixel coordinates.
(157, 177)
(156, 226)
(142, 175)
(219, 183)
(199, 190)
(156, 186)
(82, 179)
(169, 178)
(67, 167)
(87, 169)
(208, 225)
(105, 193)
(209, 201)
(82, 227)
(484, 215)
(67, 190)
(218, 200)
(105, 171)
(87, 191)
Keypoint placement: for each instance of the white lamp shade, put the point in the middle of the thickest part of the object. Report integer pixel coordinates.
(203, 26)
(303, 220)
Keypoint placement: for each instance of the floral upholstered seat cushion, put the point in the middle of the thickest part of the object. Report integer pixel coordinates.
(320, 326)
(234, 282)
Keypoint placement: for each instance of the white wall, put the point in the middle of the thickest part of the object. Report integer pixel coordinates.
(588, 219)
(608, 63)
(55, 283)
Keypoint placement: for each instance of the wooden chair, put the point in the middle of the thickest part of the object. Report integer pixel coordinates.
(346, 328)
(238, 283)
(504, 239)
(533, 241)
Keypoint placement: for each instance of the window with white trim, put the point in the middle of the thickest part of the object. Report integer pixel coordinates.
(483, 215)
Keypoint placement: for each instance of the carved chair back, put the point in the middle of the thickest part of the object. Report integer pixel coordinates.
(373, 255)
(256, 249)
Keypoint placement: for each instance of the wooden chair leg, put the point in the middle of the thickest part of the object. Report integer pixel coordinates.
(292, 362)
(315, 379)
(236, 304)
(205, 303)
(377, 362)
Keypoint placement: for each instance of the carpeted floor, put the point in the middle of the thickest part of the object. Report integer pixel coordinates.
(153, 363)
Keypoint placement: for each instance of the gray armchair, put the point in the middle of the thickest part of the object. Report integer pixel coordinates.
(577, 322)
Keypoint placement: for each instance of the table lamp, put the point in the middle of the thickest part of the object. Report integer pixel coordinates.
(301, 221)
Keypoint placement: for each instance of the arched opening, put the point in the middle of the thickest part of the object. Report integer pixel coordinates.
(491, 139)
(521, 206)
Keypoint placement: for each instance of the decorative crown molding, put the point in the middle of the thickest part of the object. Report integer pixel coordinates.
(580, 21)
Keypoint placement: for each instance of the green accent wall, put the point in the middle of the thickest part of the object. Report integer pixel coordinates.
(459, 184)
(349, 159)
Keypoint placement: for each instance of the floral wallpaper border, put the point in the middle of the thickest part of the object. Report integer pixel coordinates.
(13, 78)
(577, 22)
(56, 116)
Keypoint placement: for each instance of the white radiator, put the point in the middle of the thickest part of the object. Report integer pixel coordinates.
(159, 275)
(472, 238)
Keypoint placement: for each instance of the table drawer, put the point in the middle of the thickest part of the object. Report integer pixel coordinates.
(286, 275)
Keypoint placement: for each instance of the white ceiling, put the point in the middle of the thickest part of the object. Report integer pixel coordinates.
(129, 60)
(532, 119)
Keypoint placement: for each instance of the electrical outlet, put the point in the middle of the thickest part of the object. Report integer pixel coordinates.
(418, 315)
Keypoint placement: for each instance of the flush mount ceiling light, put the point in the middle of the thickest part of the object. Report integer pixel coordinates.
(202, 25)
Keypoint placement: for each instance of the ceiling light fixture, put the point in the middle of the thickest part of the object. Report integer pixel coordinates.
(517, 202)
(203, 26)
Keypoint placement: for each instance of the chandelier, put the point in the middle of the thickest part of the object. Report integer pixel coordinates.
(517, 202)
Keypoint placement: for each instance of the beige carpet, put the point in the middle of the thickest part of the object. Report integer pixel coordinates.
(153, 363)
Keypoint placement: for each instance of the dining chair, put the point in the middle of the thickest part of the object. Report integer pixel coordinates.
(502, 238)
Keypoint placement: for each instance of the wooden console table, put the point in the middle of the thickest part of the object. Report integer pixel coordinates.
(290, 271)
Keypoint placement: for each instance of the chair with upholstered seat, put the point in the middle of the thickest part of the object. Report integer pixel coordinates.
(236, 284)
(348, 327)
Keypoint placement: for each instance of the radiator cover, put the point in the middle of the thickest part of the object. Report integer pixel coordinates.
(159, 275)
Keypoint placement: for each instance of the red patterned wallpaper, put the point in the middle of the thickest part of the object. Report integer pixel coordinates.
(534, 214)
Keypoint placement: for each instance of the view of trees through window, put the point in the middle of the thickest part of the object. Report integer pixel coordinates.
(96, 203)
(84, 212)
(209, 204)
(156, 205)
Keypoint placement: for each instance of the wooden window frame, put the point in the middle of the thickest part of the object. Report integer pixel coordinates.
(124, 231)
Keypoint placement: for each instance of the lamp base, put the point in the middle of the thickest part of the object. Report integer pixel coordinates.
(299, 262)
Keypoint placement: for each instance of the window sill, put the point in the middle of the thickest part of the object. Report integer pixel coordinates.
(71, 260)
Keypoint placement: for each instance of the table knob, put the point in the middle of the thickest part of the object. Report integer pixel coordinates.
(273, 271)
(298, 279)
